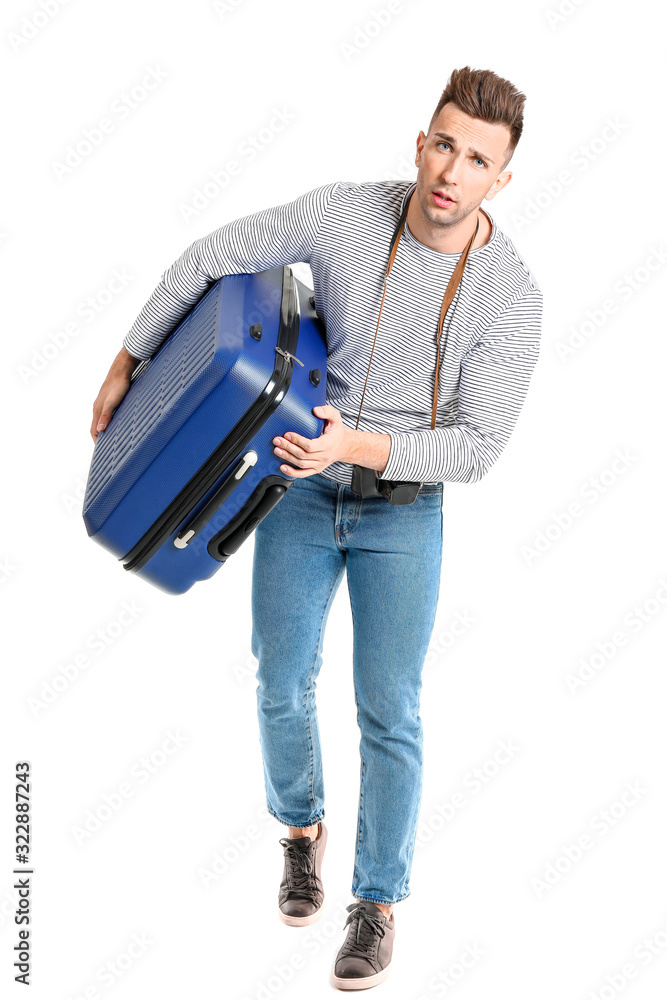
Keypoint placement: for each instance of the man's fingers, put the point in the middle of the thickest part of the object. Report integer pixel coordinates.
(299, 456)
(107, 402)
(298, 440)
(104, 417)
(97, 410)
(101, 417)
(112, 392)
(298, 473)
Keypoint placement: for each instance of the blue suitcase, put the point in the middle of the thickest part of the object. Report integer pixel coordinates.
(186, 470)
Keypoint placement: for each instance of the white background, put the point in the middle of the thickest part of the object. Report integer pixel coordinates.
(491, 875)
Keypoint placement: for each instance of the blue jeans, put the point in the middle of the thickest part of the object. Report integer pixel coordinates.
(393, 557)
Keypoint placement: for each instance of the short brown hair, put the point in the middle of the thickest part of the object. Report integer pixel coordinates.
(482, 94)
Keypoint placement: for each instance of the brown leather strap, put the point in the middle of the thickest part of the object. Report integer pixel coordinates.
(450, 292)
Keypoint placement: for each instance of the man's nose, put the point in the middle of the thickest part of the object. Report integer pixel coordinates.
(451, 172)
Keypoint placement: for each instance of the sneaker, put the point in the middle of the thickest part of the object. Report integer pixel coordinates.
(365, 957)
(301, 892)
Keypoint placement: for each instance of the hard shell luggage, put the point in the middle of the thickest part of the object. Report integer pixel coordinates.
(186, 469)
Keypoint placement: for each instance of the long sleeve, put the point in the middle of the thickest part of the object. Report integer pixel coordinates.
(284, 234)
(494, 380)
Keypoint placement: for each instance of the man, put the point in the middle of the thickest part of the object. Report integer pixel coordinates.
(322, 528)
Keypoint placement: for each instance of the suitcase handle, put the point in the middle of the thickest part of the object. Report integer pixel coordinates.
(290, 310)
(261, 503)
(224, 490)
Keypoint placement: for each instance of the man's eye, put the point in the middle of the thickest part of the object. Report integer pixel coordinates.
(477, 160)
(443, 144)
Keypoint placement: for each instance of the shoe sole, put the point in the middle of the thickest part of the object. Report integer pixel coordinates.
(300, 921)
(361, 983)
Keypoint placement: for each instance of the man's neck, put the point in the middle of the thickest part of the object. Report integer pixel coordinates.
(455, 242)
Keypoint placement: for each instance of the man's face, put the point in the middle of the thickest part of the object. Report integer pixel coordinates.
(461, 157)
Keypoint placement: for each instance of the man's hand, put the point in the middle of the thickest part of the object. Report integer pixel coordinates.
(336, 443)
(311, 455)
(113, 390)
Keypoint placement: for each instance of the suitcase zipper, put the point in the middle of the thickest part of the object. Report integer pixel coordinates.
(206, 477)
(286, 354)
(239, 436)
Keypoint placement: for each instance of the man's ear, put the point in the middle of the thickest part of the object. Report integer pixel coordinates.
(501, 181)
(418, 151)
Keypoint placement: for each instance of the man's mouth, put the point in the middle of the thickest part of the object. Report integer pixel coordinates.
(442, 200)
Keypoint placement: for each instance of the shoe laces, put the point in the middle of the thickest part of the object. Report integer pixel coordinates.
(300, 869)
(365, 929)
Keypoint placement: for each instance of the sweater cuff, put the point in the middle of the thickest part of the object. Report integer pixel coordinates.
(131, 347)
(396, 463)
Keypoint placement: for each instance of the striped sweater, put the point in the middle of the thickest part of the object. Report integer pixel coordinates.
(488, 347)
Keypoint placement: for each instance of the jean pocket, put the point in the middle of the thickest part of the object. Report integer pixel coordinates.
(435, 488)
